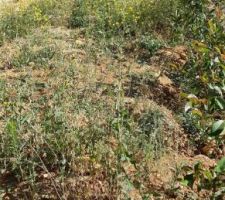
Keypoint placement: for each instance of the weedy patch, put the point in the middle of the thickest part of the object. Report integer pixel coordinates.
(113, 17)
(29, 15)
(90, 112)
(61, 106)
(36, 57)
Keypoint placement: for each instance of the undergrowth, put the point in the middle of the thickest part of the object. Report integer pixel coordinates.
(29, 15)
(84, 111)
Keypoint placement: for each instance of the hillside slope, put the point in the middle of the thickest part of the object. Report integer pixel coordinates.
(86, 117)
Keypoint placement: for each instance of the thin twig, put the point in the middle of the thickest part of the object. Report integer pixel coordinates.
(46, 169)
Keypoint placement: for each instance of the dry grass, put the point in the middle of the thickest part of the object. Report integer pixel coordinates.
(88, 118)
(70, 101)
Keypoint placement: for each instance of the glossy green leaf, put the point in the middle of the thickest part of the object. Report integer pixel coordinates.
(220, 102)
(217, 128)
(220, 168)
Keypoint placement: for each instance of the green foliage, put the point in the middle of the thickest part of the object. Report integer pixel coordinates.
(39, 57)
(191, 123)
(123, 16)
(78, 18)
(189, 20)
(73, 120)
(13, 138)
(205, 73)
(151, 44)
(217, 128)
(150, 127)
(209, 179)
(220, 168)
(21, 21)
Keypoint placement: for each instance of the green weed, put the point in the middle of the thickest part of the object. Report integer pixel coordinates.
(16, 23)
(126, 17)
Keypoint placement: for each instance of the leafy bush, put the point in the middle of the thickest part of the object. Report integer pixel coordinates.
(123, 16)
(205, 73)
(151, 44)
(189, 20)
(208, 179)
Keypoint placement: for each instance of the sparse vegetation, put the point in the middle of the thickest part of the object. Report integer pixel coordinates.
(112, 99)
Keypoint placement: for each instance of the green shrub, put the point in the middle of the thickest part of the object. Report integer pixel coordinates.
(78, 14)
(123, 16)
(21, 21)
(205, 179)
(190, 18)
(151, 44)
(204, 74)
